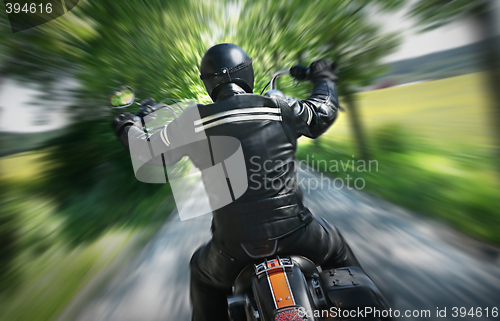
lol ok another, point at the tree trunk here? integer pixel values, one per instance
(490, 59)
(358, 130)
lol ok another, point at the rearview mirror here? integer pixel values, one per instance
(122, 97)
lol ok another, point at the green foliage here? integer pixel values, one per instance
(9, 229)
(98, 190)
(41, 267)
(437, 13)
(391, 138)
(155, 47)
(13, 143)
(456, 186)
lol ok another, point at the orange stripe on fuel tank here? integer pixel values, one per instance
(279, 286)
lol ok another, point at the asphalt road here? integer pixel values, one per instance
(418, 264)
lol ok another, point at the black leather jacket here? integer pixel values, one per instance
(267, 128)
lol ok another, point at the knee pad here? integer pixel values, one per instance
(340, 253)
(333, 236)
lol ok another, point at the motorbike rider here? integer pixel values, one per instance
(266, 221)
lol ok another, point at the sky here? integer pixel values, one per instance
(416, 44)
(17, 115)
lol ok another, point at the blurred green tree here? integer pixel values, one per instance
(155, 47)
(298, 32)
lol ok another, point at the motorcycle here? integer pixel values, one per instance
(288, 288)
(294, 288)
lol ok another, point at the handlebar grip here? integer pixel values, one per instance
(147, 107)
(300, 72)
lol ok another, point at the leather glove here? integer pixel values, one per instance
(146, 107)
(322, 69)
(299, 72)
(122, 121)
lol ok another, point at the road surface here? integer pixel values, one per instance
(418, 264)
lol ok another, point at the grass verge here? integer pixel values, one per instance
(459, 187)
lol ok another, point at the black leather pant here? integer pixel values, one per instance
(215, 265)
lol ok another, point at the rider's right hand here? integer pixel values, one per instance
(299, 72)
(322, 69)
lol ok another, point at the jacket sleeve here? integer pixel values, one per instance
(149, 148)
(314, 115)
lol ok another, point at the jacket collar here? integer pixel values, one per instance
(229, 89)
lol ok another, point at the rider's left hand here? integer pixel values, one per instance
(121, 121)
(146, 107)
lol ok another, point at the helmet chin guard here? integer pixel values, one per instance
(226, 63)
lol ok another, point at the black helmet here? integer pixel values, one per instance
(226, 63)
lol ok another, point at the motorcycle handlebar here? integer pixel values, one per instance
(298, 72)
(157, 107)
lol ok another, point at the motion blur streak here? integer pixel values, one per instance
(72, 213)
